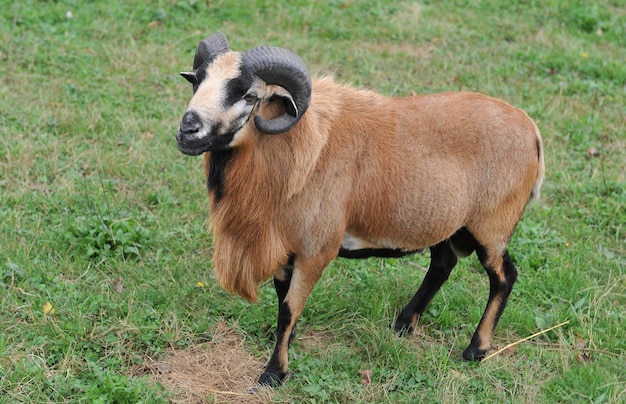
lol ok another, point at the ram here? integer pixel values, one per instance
(301, 171)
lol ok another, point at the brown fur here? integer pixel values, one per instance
(400, 173)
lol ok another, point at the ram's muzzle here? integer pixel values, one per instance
(195, 137)
(188, 137)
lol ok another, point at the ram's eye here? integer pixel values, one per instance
(249, 98)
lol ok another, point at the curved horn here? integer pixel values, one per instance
(208, 49)
(281, 67)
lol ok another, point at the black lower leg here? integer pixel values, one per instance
(276, 369)
(281, 285)
(442, 260)
(499, 290)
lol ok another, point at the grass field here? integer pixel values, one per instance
(105, 259)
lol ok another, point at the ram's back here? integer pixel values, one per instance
(419, 168)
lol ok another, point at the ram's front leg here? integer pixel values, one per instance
(282, 279)
(293, 285)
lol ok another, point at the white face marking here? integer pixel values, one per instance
(209, 101)
(236, 115)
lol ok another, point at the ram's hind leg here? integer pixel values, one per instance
(502, 275)
(442, 260)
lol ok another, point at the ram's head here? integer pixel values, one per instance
(231, 87)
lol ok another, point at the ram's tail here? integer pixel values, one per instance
(540, 168)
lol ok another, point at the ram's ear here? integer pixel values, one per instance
(189, 76)
(280, 67)
(288, 101)
(282, 103)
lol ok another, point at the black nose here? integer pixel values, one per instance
(190, 123)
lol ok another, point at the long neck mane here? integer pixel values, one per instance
(251, 188)
(248, 188)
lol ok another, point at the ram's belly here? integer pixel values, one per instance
(409, 211)
(402, 230)
(352, 242)
(355, 247)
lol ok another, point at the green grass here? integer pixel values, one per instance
(103, 218)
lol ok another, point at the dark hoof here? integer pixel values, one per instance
(474, 354)
(271, 379)
(403, 328)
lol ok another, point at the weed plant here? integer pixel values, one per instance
(103, 236)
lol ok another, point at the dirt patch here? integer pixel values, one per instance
(219, 371)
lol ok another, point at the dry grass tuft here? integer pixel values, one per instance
(219, 371)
